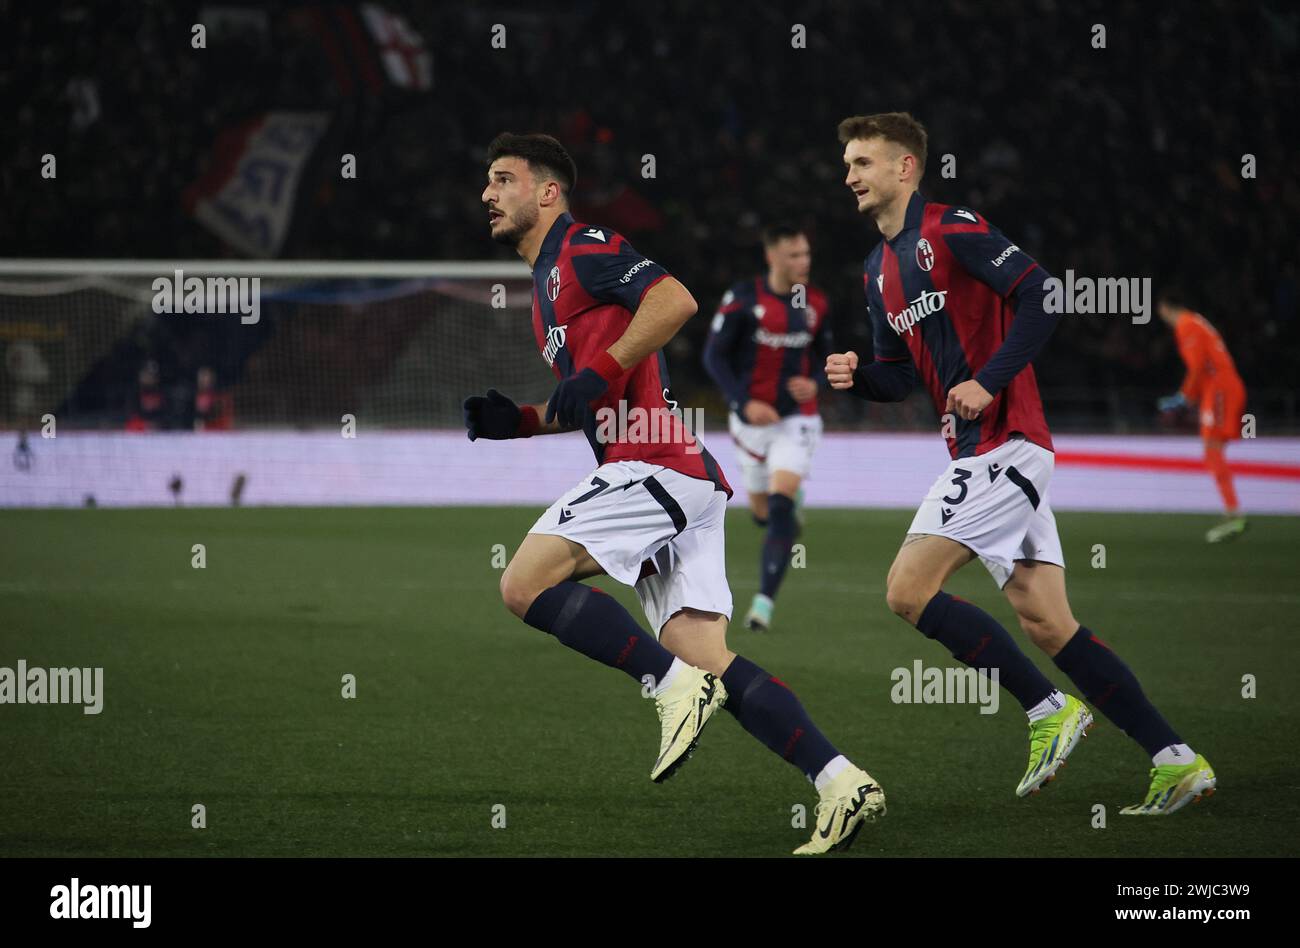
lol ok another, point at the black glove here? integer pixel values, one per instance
(492, 416)
(573, 396)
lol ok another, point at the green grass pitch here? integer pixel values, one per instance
(223, 687)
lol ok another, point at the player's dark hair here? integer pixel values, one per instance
(542, 152)
(897, 127)
(778, 231)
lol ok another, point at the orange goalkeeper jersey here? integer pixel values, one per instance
(1210, 368)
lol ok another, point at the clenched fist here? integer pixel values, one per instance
(840, 367)
(968, 399)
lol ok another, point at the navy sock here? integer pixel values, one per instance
(781, 529)
(595, 624)
(769, 710)
(977, 639)
(1112, 688)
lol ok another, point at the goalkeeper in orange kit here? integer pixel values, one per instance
(1213, 386)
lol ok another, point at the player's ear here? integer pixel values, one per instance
(551, 194)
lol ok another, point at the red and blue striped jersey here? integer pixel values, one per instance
(587, 283)
(938, 293)
(760, 339)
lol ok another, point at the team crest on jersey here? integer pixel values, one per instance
(553, 284)
(924, 255)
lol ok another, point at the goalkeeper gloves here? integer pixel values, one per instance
(496, 418)
(572, 397)
(1171, 402)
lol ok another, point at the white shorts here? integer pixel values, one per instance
(633, 517)
(996, 504)
(785, 445)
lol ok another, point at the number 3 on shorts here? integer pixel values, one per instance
(960, 477)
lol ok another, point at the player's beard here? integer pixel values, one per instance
(524, 220)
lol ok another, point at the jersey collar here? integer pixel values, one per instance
(555, 236)
(914, 216)
(767, 288)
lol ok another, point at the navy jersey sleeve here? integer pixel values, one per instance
(725, 332)
(986, 254)
(610, 269)
(1030, 330)
(983, 251)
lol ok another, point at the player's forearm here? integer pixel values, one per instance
(536, 423)
(883, 381)
(1030, 330)
(664, 309)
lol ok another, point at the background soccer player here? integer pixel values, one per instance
(651, 514)
(766, 351)
(1212, 385)
(942, 290)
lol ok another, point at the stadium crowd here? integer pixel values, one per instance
(1125, 160)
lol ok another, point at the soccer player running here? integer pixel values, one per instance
(942, 290)
(1212, 384)
(651, 514)
(766, 349)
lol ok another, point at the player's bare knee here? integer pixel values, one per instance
(517, 593)
(906, 599)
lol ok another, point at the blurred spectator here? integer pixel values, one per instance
(1117, 161)
(213, 409)
(148, 410)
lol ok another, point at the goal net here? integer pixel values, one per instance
(153, 383)
(395, 345)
